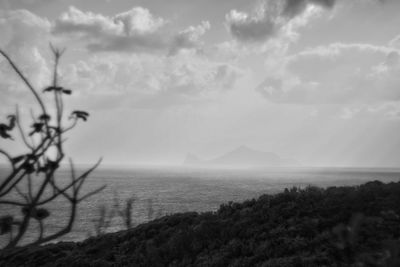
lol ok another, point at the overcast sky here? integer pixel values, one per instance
(314, 80)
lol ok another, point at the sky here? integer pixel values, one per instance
(313, 80)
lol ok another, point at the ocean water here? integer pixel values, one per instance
(166, 191)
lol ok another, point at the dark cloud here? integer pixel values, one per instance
(293, 8)
(129, 44)
(392, 59)
(252, 30)
(269, 19)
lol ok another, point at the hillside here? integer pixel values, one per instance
(337, 226)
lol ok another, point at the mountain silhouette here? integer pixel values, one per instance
(241, 157)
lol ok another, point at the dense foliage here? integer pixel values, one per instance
(337, 226)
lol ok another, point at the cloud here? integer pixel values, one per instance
(292, 8)
(341, 74)
(178, 75)
(22, 39)
(271, 19)
(137, 21)
(252, 29)
(136, 30)
(21, 27)
(189, 38)
(131, 30)
(395, 42)
(389, 110)
(149, 81)
(337, 49)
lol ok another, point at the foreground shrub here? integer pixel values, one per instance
(337, 226)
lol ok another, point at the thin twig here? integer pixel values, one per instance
(9, 158)
(21, 194)
(92, 193)
(25, 80)
(21, 131)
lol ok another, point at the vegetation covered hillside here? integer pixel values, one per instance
(337, 226)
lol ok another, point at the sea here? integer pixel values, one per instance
(161, 191)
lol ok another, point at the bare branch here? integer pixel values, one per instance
(85, 174)
(21, 194)
(75, 181)
(63, 231)
(21, 131)
(73, 174)
(14, 203)
(94, 192)
(9, 158)
(30, 189)
(16, 171)
(71, 126)
(25, 80)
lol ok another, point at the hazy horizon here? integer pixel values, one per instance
(317, 81)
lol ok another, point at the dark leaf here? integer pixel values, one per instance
(52, 165)
(38, 214)
(6, 223)
(25, 210)
(67, 91)
(11, 123)
(52, 88)
(29, 168)
(44, 117)
(4, 128)
(79, 114)
(42, 169)
(41, 214)
(4, 134)
(84, 118)
(37, 128)
(48, 89)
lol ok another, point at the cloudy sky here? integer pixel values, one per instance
(314, 80)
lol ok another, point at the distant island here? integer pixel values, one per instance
(242, 157)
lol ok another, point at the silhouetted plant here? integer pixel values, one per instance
(107, 217)
(102, 221)
(125, 213)
(33, 183)
(150, 210)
